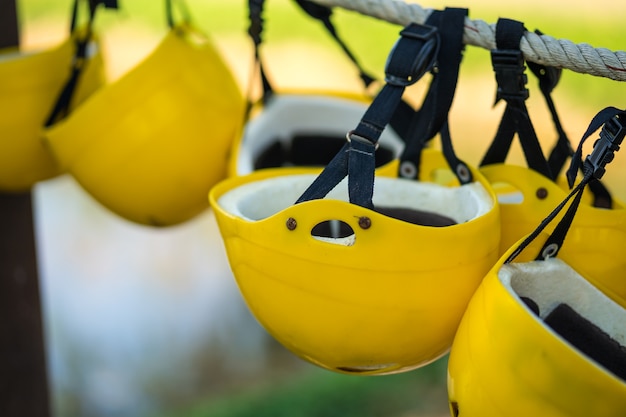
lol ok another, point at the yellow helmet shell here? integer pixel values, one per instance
(151, 145)
(596, 235)
(286, 115)
(505, 360)
(386, 298)
(32, 82)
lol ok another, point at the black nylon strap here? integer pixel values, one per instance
(554, 243)
(509, 33)
(614, 120)
(400, 119)
(323, 14)
(508, 65)
(255, 30)
(548, 79)
(432, 118)
(545, 222)
(593, 168)
(62, 104)
(611, 137)
(411, 57)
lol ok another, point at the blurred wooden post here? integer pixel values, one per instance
(23, 373)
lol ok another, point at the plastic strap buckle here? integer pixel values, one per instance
(605, 147)
(352, 136)
(508, 64)
(417, 42)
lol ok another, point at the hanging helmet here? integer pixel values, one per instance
(368, 275)
(31, 85)
(377, 294)
(520, 348)
(539, 337)
(151, 145)
(597, 234)
(527, 197)
(303, 129)
(527, 194)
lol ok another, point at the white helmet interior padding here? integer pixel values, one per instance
(305, 130)
(572, 308)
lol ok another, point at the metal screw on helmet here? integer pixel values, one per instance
(365, 222)
(408, 169)
(291, 223)
(541, 193)
(550, 251)
(463, 173)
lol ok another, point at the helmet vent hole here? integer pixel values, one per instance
(508, 193)
(334, 231)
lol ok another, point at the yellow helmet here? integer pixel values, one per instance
(384, 295)
(597, 234)
(151, 145)
(303, 129)
(526, 197)
(512, 354)
(31, 85)
(368, 275)
(539, 336)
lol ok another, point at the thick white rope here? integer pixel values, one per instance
(544, 49)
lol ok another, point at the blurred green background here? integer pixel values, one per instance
(299, 54)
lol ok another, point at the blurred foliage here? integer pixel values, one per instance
(321, 393)
(371, 38)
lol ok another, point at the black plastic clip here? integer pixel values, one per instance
(413, 55)
(605, 147)
(508, 64)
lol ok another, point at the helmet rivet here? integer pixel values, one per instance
(463, 172)
(291, 223)
(541, 193)
(365, 222)
(550, 251)
(408, 169)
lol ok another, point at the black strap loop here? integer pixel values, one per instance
(611, 136)
(509, 68)
(62, 104)
(548, 79)
(553, 244)
(255, 30)
(323, 14)
(432, 118)
(356, 158)
(603, 151)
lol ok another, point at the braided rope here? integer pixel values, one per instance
(542, 49)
